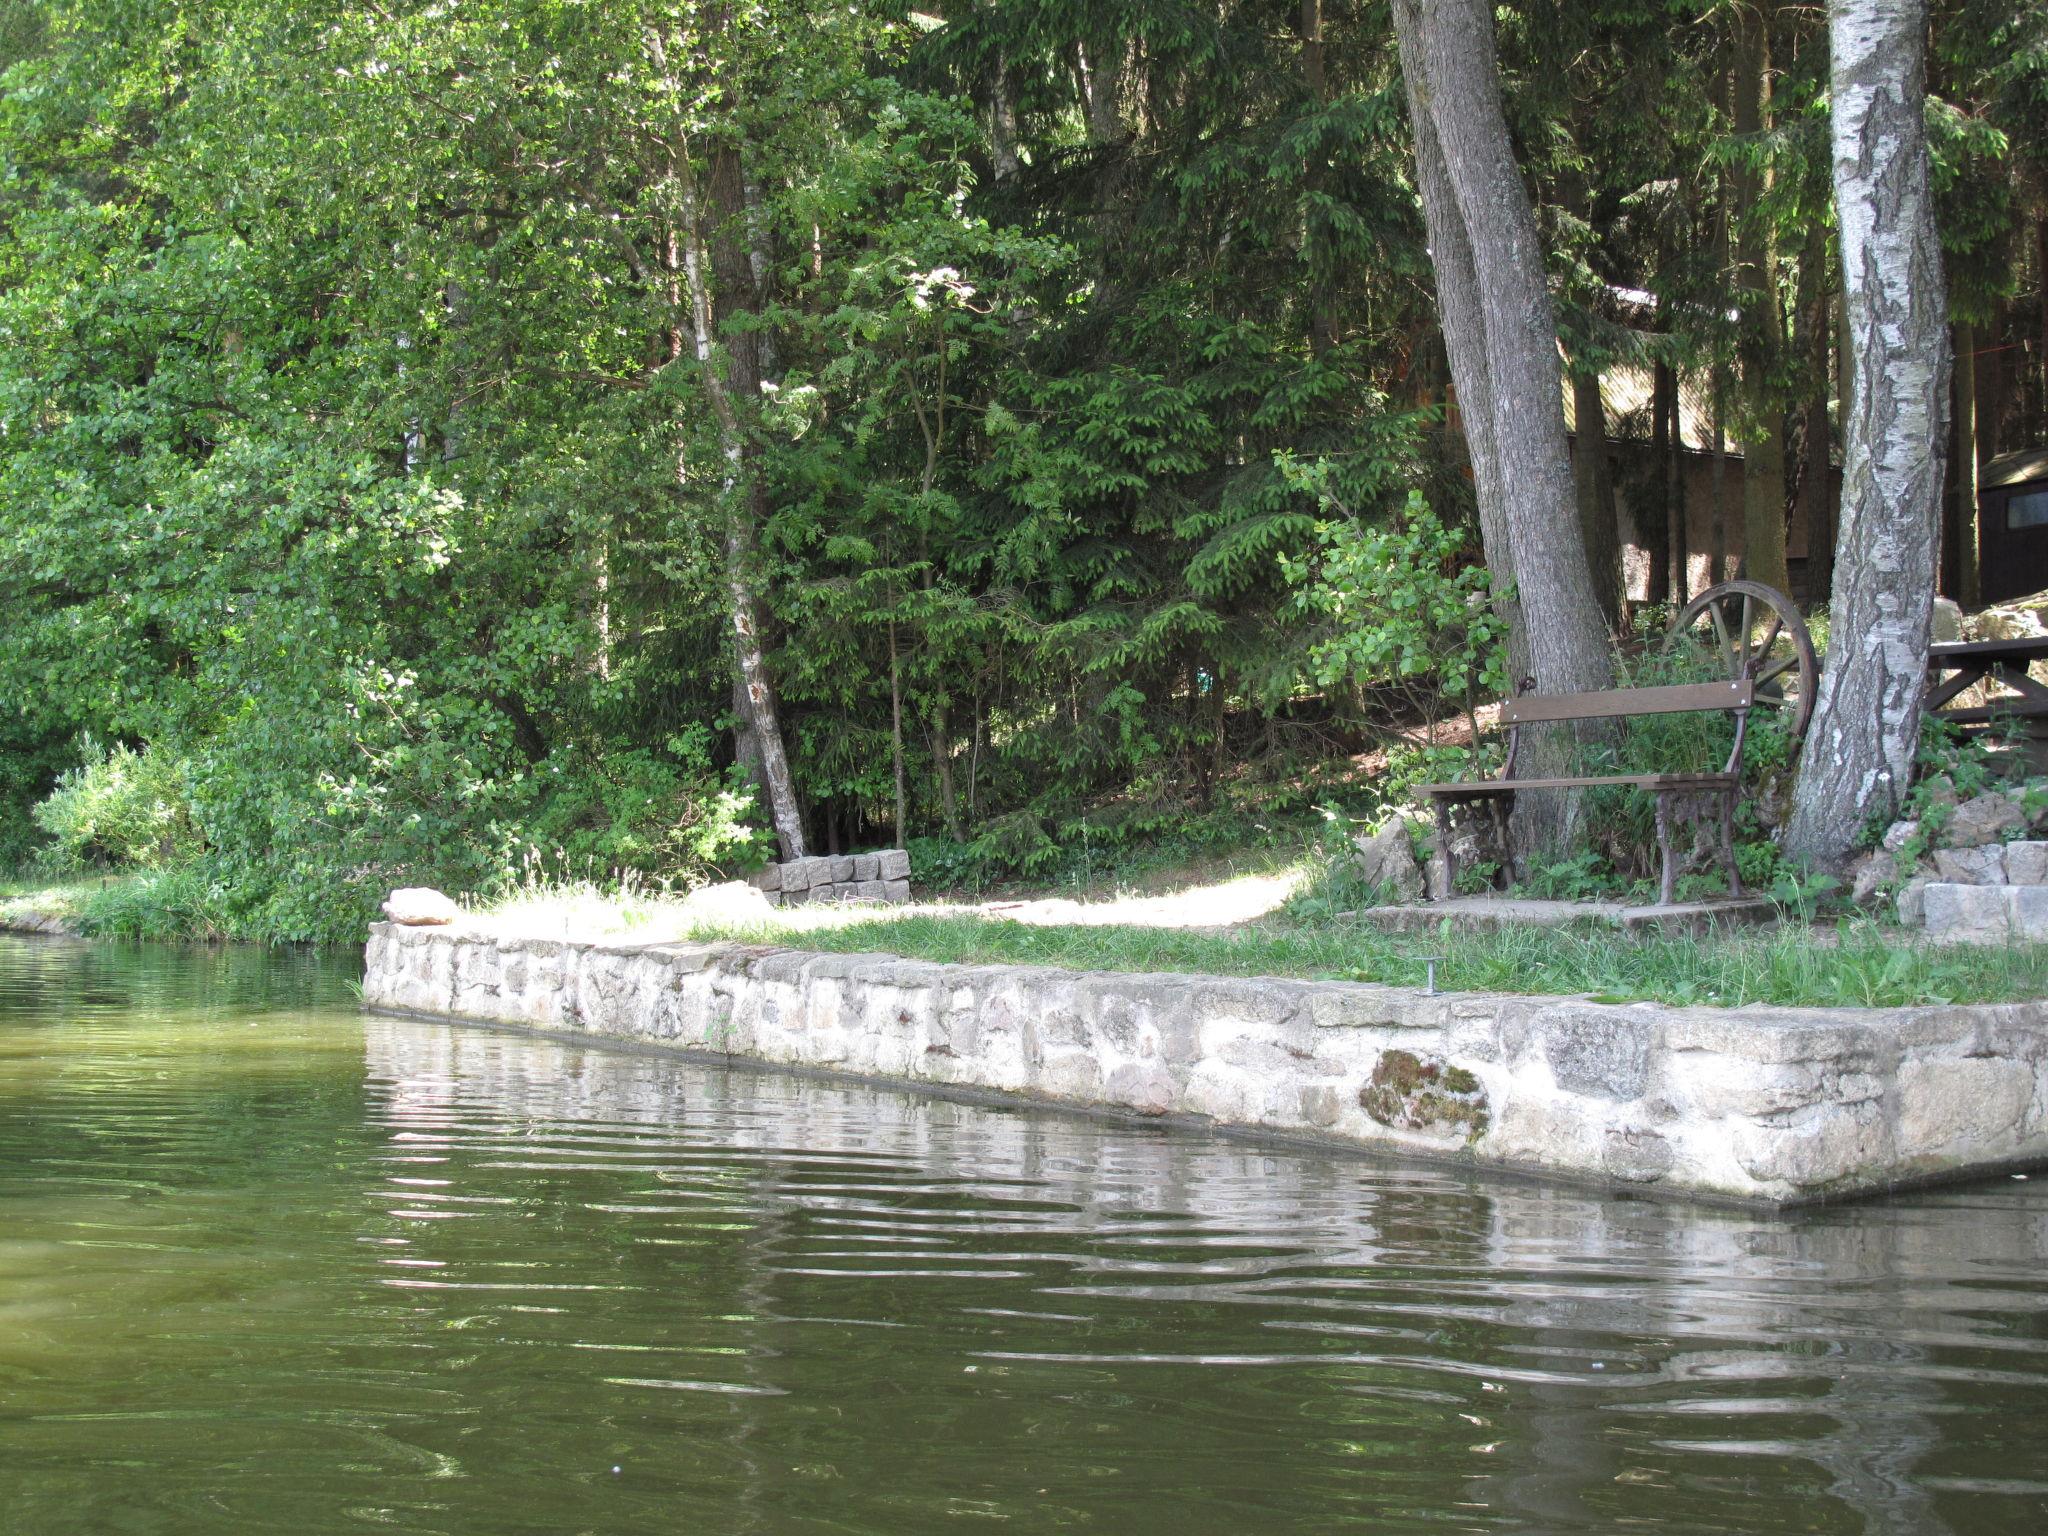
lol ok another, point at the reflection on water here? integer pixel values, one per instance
(267, 1265)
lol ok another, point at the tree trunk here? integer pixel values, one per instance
(1718, 543)
(1595, 494)
(1463, 332)
(1816, 479)
(1990, 381)
(1963, 470)
(1654, 520)
(896, 739)
(1004, 159)
(1679, 539)
(2041, 309)
(719, 257)
(1760, 329)
(1866, 725)
(1503, 353)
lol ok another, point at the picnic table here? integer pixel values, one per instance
(1955, 666)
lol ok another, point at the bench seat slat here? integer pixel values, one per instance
(1478, 788)
(1625, 703)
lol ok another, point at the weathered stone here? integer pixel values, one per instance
(796, 875)
(1976, 1102)
(769, 879)
(1870, 876)
(842, 869)
(2027, 907)
(1985, 818)
(1596, 1051)
(866, 867)
(1387, 860)
(2026, 863)
(1637, 1155)
(893, 864)
(1145, 1086)
(897, 891)
(1941, 791)
(1970, 866)
(1898, 834)
(871, 890)
(1913, 901)
(419, 906)
(1948, 620)
(1968, 914)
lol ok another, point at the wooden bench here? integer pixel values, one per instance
(1736, 697)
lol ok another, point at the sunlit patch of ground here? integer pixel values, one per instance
(586, 912)
(1221, 904)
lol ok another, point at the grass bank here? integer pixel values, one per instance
(1852, 964)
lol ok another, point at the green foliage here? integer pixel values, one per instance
(118, 808)
(1396, 603)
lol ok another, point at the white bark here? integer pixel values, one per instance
(1866, 724)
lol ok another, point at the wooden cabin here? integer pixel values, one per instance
(2012, 525)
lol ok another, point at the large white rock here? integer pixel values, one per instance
(1986, 818)
(1969, 914)
(420, 906)
(1387, 859)
(1871, 876)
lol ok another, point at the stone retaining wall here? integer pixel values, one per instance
(1762, 1105)
(837, 877)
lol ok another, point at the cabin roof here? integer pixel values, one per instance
(2015, 468)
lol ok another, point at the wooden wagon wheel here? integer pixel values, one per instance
(1757, 633)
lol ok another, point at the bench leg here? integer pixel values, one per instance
(1500, 839)
(1728, 844)
(1443, 846)
(1667, 883)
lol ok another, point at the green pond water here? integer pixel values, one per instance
(267, 1265)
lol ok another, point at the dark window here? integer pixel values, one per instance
(2027, 509)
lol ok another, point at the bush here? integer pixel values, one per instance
(118, 808)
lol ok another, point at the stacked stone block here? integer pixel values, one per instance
(840, 879)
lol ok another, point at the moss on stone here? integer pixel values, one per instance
(1408, 1092)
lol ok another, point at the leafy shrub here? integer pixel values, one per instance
(119, 808)
(666, 814)
(1397, 603)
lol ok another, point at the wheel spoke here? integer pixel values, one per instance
(1777, 668)
(1721, 629)
(1748, 620)
(1770, 637)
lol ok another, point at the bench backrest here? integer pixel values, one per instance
(1623, 703)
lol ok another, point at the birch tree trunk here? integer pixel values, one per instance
(1866, 724)
(1501, 336)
